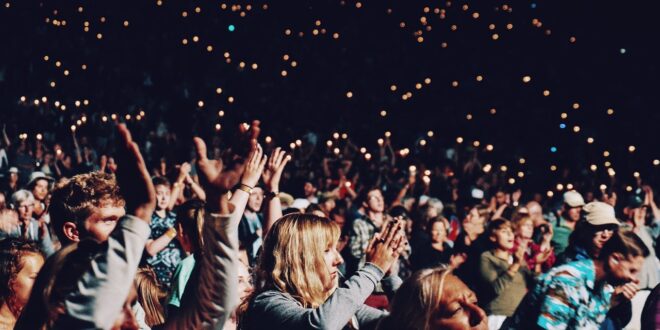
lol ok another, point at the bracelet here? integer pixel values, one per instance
(171, 232)
(245, 188)
(273, 194)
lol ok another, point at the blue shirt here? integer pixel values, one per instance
(567, 297)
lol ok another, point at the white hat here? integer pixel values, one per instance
(13, 169)
(38, 175)
(599, 213)
(300, 203)
(573, 199)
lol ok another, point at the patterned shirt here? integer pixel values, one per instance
(164, 262)
(567, 297)
(362, 232)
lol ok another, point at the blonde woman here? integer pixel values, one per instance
(297, 285)
(149, 311)
(433, 299)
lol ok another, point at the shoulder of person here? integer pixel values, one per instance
(273, 298)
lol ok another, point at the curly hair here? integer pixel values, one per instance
(12, 252)
(73, 200)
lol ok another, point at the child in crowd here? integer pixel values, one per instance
(164, 251)
(504, 276)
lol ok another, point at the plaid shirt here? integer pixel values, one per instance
(362, 232)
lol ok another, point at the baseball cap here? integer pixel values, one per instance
(573, 199)
(599, 213)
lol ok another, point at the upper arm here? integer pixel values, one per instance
(558, 306)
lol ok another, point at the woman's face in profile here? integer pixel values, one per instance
(458, 308)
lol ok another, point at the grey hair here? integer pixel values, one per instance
(21, 196)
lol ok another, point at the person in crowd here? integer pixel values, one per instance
(420, 236)
(327, 202)
(579, 294)
(190, 221)
(503, 276)
(436, 252)
(364, 229)
(149, 311)
(251, 225)
(297, 279)
(538, 257)
(76, 286)
(11, 185)
(164, 251)
(471, 243)
(651, 311)
(568, 218)
(28, 227)
(434, 299)
(591, 234)
(86, 205)
(642, 217)
(39, 186)
(20, 262)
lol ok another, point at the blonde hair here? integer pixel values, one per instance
(417, 300)
(520, 221)
(150, 296)
(292, 258)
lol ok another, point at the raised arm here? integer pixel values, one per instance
(103, 288)
(212, 292)
(271, 176)
(5, 137)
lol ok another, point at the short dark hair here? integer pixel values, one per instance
(497, 224)
(161, 181)
(626, 243)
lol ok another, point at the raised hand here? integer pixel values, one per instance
(519, 255)
(457, 260)
(254, 167)
(213, 177)
(133, 178)
(273, 171)
(385, 248)
(184, 171)
(624, 292)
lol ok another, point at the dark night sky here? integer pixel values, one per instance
(146, 67)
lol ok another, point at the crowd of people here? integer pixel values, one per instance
(94, 235)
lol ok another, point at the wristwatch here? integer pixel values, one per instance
(273, 194)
